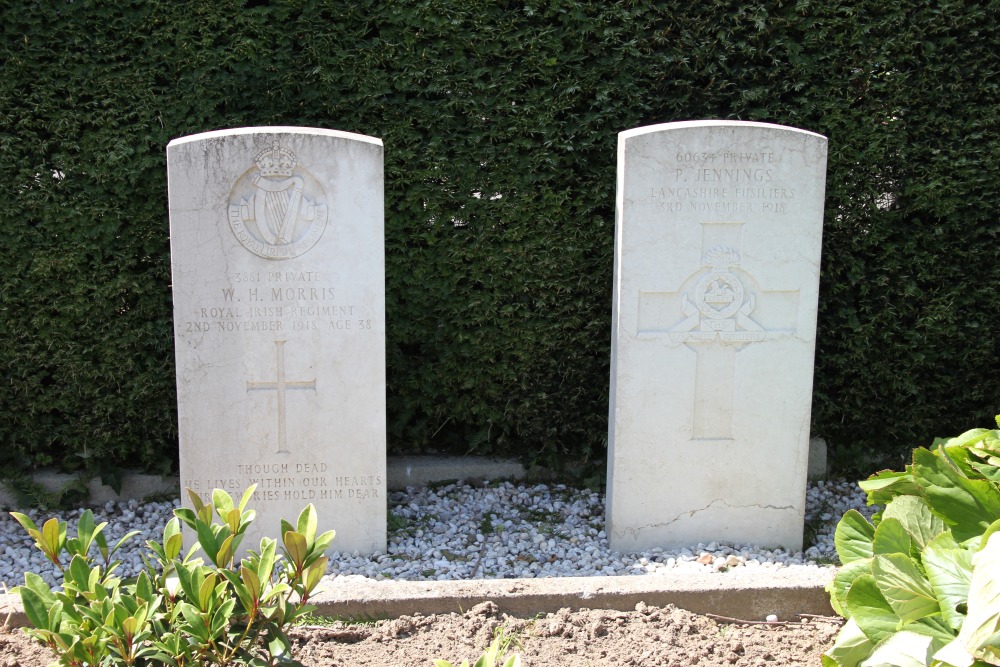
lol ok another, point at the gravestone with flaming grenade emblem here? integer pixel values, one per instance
(277, 257)
(717, 256)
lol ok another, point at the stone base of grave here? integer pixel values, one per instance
(402, 471)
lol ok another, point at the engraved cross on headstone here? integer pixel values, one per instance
(281, 385)
(716, 318)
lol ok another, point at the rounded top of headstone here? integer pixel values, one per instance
(278, 129)
(701, 124)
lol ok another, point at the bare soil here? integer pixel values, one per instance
(647, 636)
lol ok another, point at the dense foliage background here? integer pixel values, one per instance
(500, 123)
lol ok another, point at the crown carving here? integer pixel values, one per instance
(276, 162)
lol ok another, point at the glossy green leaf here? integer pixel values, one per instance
(172, 546)
(25, 521)
(232, 519)
(190, 581)
(916, 517)
(239, 589)
(123, 541)
(36, 605)
(891, 537)
(209, 541)
(315, 573)
(285, 527)
(246, 519)
(842, 582)
(295, 545)
(266, 559)
(196, 502)
(853, 537)
(84, 534)
(904, 587)
(53, 536)
(225, 554)
(222, 617)
(206, 591)
(252, 582)
(223, 503)
(186, 515)
(967, 506)
(196, 622)
(870, 610)
(989, 469)
(307, 522)
(983, 618)
(275, 591)
(969, 438)
(949, 570)
(298, 611)
(247, 495)
(144, 590)
(79, 573)
(323, 541)
(279, 646)
(903, 649)
(888, 484)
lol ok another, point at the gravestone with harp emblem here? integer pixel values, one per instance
(717, 255)
(277, 257)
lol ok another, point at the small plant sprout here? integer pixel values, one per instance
(495, 655)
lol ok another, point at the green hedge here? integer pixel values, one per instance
(500, 124)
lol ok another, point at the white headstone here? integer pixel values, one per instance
(717, 255)
(277, 254)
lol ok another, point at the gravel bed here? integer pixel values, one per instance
(477, 531)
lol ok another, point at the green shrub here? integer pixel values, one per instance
(179, 611)
(920, 584)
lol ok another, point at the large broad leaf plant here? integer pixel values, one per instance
(920, 583)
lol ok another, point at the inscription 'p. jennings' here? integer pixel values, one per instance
(281, 385)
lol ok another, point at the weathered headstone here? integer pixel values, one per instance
(717, 255)
(279, 296)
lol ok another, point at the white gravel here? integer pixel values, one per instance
(481, 531)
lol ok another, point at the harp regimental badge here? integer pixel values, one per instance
(277, 209)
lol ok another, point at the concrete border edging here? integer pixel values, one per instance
(744, 595)
(747, 595)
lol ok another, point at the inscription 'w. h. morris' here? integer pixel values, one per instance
(279, 319)
(277, 209)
